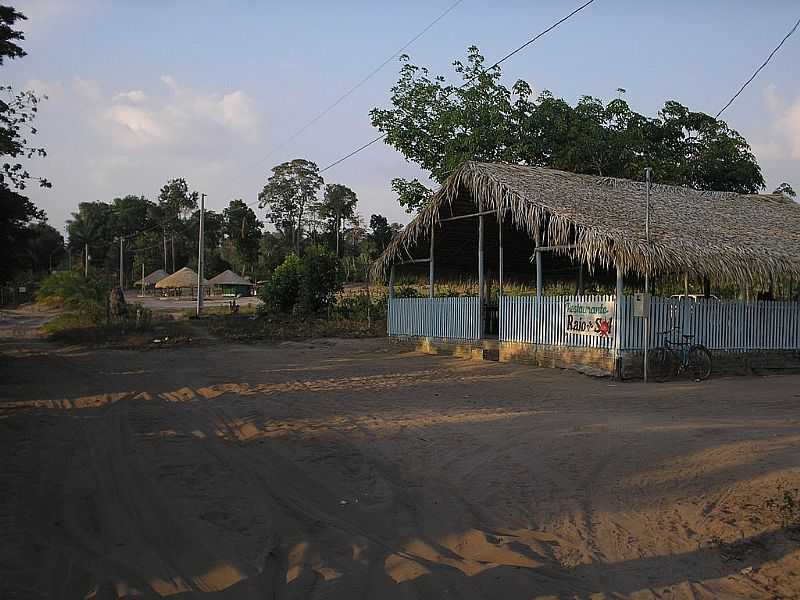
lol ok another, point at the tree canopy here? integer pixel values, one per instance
(289, 191)
(439, 125)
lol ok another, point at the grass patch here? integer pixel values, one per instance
(280, 328)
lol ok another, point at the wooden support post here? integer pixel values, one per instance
(580, 280)
(391, 282)
(500, 243)
(618, 306)
(430, 268)
(481, 291)
(538, 264)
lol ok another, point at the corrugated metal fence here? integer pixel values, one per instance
(719, 325)
(454, 318)
(524, 319)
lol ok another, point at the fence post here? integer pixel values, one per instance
(620, 316)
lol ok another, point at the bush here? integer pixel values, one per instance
(75, 292)
(361, 307)
(280, 292)
(305, 285)
(320, 281)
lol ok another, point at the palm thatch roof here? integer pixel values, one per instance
(601, 220)
(153, 278)
(228, 277)
(182, 278)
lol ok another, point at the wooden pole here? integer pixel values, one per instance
(620, 298)
(538, 264)
(580, 280)
(430, 268)
(391, 283)
(481, 298)
(142, 277)
(86, 262)
(500, 243)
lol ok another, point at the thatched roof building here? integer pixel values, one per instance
(183, 278)
(153, 278)
(600, 221)
(228, 277)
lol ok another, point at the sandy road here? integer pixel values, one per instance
(344, 470)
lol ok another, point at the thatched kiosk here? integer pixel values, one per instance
(148, 282)
(182, 282)
(502, 222)
(230, 284)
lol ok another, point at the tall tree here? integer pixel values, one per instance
(338, 205)
(44, 247)
(93, 230)
(17, 112)
(243, 229)
(291, 188)
(381, 232)
(439, 126)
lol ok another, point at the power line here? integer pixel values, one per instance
(369, 76)
(758, 70)
(383, 135)
(471, 79)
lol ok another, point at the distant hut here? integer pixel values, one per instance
(149, 282)
(232, 284)
(181, 282)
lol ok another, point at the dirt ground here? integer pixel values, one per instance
(342, 469)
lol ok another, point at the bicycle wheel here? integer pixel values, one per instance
(661, 364)
(698, 363)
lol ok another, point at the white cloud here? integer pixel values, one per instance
(783, 135)
(131, 96)
(134, 127)
(184, 118)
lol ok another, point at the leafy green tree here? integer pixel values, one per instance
(93, 225)
(439, 126)
(44, 247)
(786, 191)
(289, 191)
(243, 229)
(17, 113)
(132, 214)
(338, 205)
(381, 233)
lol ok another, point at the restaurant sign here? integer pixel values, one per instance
(591, 317)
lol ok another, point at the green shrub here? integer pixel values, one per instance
(279, 294)
(305, 285)
(73, 291)
(320, 281)
(361, 307)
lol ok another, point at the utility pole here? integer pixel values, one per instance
(172, 245)
(164, 233)
(86, 261)
(200, 257)
(142, 277)
(121, 266)
(647, 172)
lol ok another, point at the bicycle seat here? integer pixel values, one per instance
(687, 337)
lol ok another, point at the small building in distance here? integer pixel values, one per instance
(182, 282)
(149, 281)
(230, 284)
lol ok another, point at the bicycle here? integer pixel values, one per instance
(673, 358)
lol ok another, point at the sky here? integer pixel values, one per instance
(143, 91)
